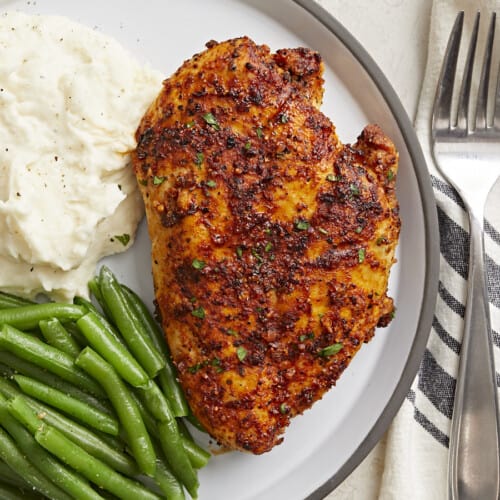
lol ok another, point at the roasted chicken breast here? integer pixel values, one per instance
(271, 240)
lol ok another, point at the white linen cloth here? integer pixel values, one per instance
(410, 462)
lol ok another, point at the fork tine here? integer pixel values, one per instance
(464, 97)
(442, 103)
(496, 113)
(482, 97)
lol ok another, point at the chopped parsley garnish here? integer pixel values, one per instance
(198, 366)
(359, 229)
(198, 264)
(284, 409)
(361, 255)
(332, 178)
(259, 133)
(268, 246)
(390, 175)
(283, 118)
(322, 231)
(239, 252)
(211, 183)
(307, 336)
(257, 256)
(123, 238)
(232, 332)
(211, 120)
(199, 159)
(158, 180)
(190, 124)
(354, 189)
(195, 368)
(248, 145)
(330, 350)
(241, 352)
(302, 225)
(143, 182)
(199, 312)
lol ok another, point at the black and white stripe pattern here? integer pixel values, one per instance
(433, 390)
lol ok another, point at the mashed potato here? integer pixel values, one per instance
(70, 101)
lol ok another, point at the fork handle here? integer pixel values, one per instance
(474, 461)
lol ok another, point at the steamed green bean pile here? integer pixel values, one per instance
(90, 407)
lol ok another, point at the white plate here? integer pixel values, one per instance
(326, 443)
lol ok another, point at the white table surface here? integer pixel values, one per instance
(395, 34)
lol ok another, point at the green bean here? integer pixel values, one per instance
(13, 300)
(183, 429)
(164, 478)
(141, 310)
(136, 339)
(8, 492)
(19, 409)
(57, 336)
(34, 350)
(10, 477)
(69, 405)
(95, 290)
(146, 416)
(8, 389)
(196, 454)
(27, 317)
(167, 377)
(75, 332)
(17, 298)
(111, 330)
(65, 479)
(178, 459)
(94, 470)
(167, 482)
(80, 301)
(11, 455)
(18, 365)
(155, 401)
(84, 436)
(22, 406)
(170, 438)
(100, 336)
(195, 422)
(125, 407)
(7, 303)
(176, 456)
(5, 370)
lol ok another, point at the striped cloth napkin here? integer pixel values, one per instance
(410, 462)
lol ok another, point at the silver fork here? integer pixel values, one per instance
(466, 148)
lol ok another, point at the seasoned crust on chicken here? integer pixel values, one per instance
(271, 241)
